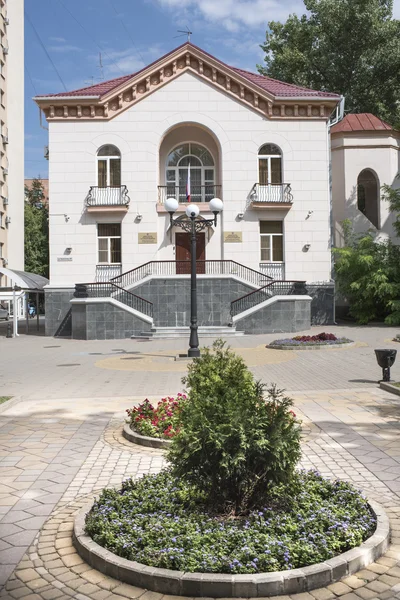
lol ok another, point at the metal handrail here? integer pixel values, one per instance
(107, 196)
(112, 290)
(198, 193)
(205, 267)
(274, 288)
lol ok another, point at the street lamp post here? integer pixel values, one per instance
(193, 224)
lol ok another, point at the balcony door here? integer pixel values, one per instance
(197, 161)
(182, 243)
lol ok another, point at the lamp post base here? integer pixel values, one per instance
(193, 352)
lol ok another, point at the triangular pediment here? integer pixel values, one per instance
(187, 58)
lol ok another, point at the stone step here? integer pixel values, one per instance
(182, 332)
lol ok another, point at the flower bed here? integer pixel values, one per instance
(162, 421)
(163, 522)
(307, 341)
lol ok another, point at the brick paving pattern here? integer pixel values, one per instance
(62, 443)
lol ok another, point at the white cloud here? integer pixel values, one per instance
(57, 39)
(64, 48)
(129, 60)
(234, 14)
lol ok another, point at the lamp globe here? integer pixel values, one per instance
(192, 210)
(171, 204)
(216, 205)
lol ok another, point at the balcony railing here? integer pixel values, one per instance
(198, 193)
(279, 193)
(274, 270)
(106, 272)
(107, 196)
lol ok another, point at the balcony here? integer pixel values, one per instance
(107, 199)
(200, 194)
(275, 195)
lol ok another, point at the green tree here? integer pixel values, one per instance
(368, 276)
(36, 230)
(392, 196)
(351, 47)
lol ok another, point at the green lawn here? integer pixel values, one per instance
(4, 399)
(397, 384)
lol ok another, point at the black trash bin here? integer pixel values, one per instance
(385, 360)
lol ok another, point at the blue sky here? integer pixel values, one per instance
(131, 34)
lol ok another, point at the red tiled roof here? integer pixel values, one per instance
(361, 122)
(280, 88)
(273, 86)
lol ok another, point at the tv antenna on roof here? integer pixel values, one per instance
(184, 32)
(101, 68)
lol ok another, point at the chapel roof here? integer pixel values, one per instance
(361, 122)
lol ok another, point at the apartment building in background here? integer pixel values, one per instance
(11, 135)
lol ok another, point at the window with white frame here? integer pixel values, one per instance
(1, 219)
(271, 241)
(194, 160)
(269, 165)
(109, 243)
(1, 250)
(108, 166)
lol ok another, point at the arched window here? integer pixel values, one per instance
(269, 165)
(368, 196)
(190, 170)
(108, 166)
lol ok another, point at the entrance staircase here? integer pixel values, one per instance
(159, 333)
(119, 292)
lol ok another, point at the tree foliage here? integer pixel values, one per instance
(392, 196)
(36, 230)
(351, 47)
(368, 276)
(233, 442)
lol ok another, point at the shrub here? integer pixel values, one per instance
(368, 276)
(160, 422)
(233, 443)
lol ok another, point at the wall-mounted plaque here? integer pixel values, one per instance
(64, 258)
(232, 237)
(147, 238)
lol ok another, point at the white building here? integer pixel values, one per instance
(365, 156)
(120, 148)
(12, 135)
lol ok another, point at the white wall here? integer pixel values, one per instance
(240, 132)
(352, 153)
(15, 124)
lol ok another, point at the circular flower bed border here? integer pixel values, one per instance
(310, 347)
(215, 585)
(143, 440)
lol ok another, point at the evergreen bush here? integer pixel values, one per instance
(233, 442)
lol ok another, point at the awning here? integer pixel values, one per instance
(26, 281)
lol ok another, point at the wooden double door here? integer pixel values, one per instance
(182, 253)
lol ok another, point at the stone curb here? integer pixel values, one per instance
(315, 347)
(9, 403)
(384, 385)
(210, 585)
(143, 440)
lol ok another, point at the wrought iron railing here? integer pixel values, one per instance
(276, 193)
(275, 288)
(111, 290)
(107, 196)
(274, 270)
(198, 193)
(179, 267)
(106, 272)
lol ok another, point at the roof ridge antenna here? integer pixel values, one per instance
(184, 32)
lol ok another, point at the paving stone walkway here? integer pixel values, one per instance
(54, 456)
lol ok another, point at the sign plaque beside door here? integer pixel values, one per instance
(232, 237)
(147, 238)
